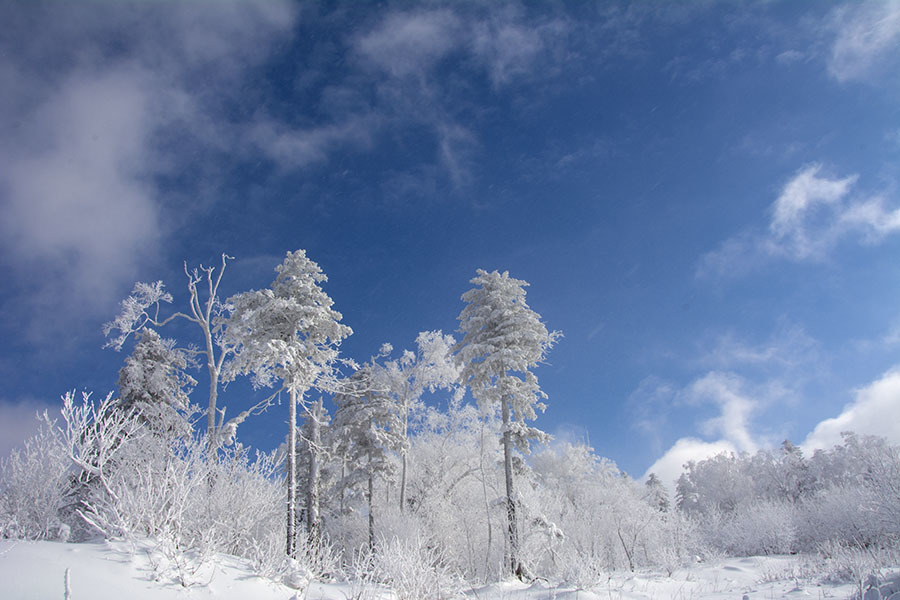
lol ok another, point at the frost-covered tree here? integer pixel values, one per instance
(430, 368)
(154, 384)
(656, 495)
(205, 310)
(367, 431)
(503, 340)
(288, 334)
(454, 469)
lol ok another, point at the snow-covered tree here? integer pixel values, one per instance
(288, 334)
(455, 468)
(430, 368)
(142, 309)
(367, 431)
(154, 384)
(503, 340)
(657, 496)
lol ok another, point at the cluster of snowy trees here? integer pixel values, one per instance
(372, 480)
(780, 502)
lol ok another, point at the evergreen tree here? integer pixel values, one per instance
(657, 496)
(288, 334)
(368, 434)
(153, 383)
(503, 340)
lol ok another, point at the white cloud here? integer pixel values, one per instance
(872, 219)
(796, 206)
(809, 217)
(867, 40)
(509, 48)
(735, 408)
(734, 257)
(77, 196)
(92, 102)
(874, 411)
(410, 43)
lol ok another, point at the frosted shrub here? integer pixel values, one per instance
(763, 527)
(584, 571)
(33, 485)
(672, 543)
(244, 500)
(415, 569)
(840, 513)
(863, 567)
(401, 525)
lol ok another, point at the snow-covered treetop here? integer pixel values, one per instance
(289, 332)
(430, 368)
(502, 340)
(137, 310)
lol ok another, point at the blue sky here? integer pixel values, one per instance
(703, 196)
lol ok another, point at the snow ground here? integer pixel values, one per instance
(106, 570)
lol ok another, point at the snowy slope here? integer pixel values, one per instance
(113, 571)
(103, 571)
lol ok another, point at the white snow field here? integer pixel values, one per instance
(119, 571)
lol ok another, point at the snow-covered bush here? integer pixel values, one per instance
(757, 528)
(34, 482)
(842, 513)
(102, 469)
(863, 567)
(414, 569)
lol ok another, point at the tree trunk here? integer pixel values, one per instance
(512, 529)
(291, 548)
(404, 451)
(312, 490)
(487, 505)
(343, 478)
(371, 514)
(212, 442)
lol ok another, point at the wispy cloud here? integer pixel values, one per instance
(741, 380)
(726, 391)
(414, 58)
(793, 226)
(788, 348)
(295, 148)
(410, 43)
(509, 48)
(649, 407)
(866, 41)
(813, 212)
(77, 195)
